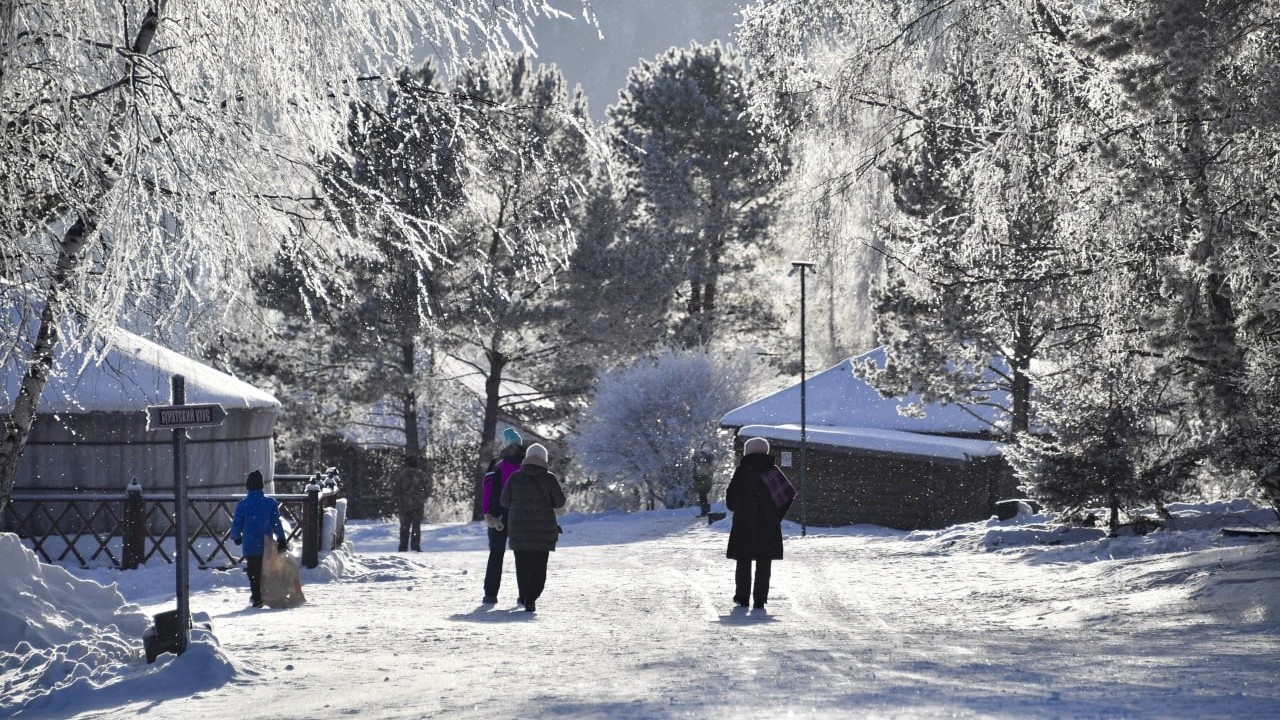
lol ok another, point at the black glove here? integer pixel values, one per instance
(283, 546)
(235, 540)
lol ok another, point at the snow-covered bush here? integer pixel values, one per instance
(639, 433)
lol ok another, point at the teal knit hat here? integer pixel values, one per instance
(511, 437)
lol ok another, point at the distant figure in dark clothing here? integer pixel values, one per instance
(759, 496)
(704, 471)
(412, 487)
(532, 496)
(495, 514)
(256, 517)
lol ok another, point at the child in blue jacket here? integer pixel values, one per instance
(256, 517)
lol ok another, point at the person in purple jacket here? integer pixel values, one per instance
(495, 515)
(256, 517)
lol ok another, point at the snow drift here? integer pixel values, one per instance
(72, 644)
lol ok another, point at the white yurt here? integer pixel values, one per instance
(91, 434)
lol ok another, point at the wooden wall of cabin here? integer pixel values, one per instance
(895, 491)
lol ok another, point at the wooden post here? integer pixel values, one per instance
(181, 554)
(311, 524)
(134, 526)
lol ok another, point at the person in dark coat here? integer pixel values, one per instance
(758, 509)
(256, 517)
(412, 487)
(704, 471)
(495, 515)
(532, 496)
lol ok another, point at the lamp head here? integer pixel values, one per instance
(799, 266)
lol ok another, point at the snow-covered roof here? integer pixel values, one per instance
(837, 398)
(894, 442)
(132, 374)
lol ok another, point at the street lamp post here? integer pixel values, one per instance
(802, 266)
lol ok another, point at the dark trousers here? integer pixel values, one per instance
(744, 590)
(531, 573)
(253, 567)
(493, 571)
(410, 533)
(703, 504)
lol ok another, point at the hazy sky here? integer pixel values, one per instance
(631, 29)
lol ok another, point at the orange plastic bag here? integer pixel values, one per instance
(281, 578)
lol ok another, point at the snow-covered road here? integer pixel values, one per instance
(637, 622)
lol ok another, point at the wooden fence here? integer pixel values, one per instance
(128, 529)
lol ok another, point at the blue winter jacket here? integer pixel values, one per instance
(256, 516)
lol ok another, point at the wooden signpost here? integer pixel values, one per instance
(178, 417)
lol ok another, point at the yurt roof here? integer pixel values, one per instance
(131, 374)
(836, 397)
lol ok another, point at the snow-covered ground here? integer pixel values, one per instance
(997, 619)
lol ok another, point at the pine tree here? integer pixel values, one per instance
(369, 341)
(406, 158)
(619, 288)
(705, 173)
(525, 157)
(1116, 440)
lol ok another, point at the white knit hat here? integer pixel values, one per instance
(536, 454)
(756, 446)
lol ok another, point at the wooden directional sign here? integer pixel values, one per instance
(168, 417)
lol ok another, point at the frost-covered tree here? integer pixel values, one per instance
(525, 158)
(974, 116)
(646, 419)
(1134, 141)
(400, 155)
(1196, 154)
(983, 257)
(395, 178)
(116, 115)
(705, 175)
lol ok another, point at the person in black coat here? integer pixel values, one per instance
(532, 496)
(758, 509)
